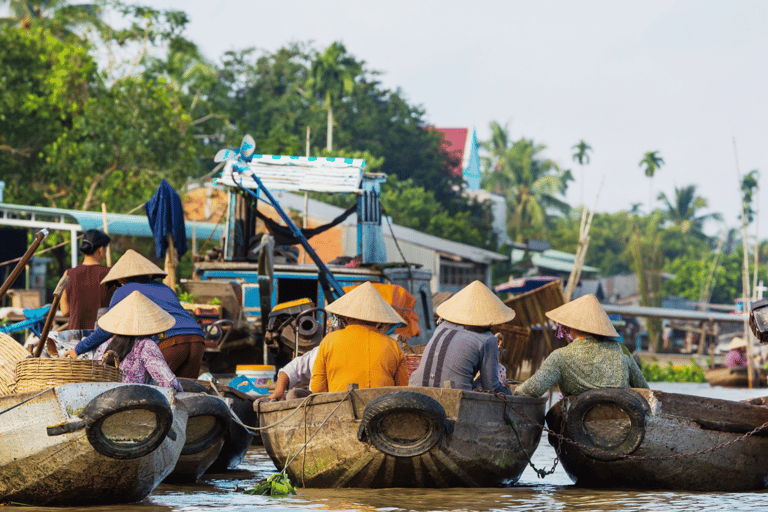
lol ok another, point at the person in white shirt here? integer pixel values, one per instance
(293, 378)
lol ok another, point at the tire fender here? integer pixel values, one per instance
(373, 430)
(630, 402)
(206, 405)
(122, 399)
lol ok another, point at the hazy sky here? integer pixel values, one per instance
(682, 78)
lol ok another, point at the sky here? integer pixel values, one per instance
(684, 78)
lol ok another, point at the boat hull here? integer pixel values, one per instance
(237, 439)
(477, 448)
(674, 425)
(65, 469)
(733, 377)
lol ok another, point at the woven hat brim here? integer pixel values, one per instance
(133, 264)
(365, 303)
(584, 314)
(475, 305)
(136, 315)
(737, 343)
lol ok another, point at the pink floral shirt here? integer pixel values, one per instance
(144, 364)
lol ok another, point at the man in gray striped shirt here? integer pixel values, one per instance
(463, 344)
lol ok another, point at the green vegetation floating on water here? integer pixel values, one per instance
(277, 485)
(671, 373)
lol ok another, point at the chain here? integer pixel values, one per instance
(541, 473)
(561, 439)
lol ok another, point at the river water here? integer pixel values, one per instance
(555, 492)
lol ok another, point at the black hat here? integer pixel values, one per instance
(92, 240)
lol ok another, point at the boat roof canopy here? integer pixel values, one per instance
(295, 173)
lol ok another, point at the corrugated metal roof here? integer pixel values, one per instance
(677, 314)
(119, 224)
(551, 259)
(328, 212)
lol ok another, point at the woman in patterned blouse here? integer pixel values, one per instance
(133, 320)
(592, 359)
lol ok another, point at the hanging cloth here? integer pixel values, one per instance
(284, 236)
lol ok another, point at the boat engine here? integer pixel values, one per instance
(293, 330)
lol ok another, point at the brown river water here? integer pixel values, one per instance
(555, 492)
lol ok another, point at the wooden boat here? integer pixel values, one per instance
(208, 421)
(402, 437)
(658, 431)
(237, 439)
(89, 443)
(734, 376)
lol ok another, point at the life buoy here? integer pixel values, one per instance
(403, 423)
(120, 400)
(630, 402)
(205, 405)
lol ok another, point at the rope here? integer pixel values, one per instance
(584, 448)
(397, 244)
(25, 401)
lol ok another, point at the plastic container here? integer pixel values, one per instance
(253, 379)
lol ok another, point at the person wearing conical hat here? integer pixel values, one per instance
(592, 359)
(182, 344)
(463, 343)
(358, 353)
(737, 352)
(132, 321)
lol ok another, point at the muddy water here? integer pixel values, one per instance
(222, 492)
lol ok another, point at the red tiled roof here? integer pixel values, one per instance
(455, 141)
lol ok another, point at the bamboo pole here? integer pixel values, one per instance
(581, 252)
(745, 273)
(306, 205)
(57, 293)
(106, 232)
(170, 264)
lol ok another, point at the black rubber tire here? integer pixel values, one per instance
(402, 401)
(121, 399)
(206, 405)
(193, 386)
(632, 403)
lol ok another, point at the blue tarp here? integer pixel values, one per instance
(166, 216)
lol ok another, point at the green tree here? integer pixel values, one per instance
(331, 77)
(749, 186)
(683, 212)
(59, 17)
(530, 183)
(652, 162)
(581, 156)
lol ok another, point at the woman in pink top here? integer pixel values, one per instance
(133, 320)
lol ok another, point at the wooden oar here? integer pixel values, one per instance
(39, 237)
(63, 282)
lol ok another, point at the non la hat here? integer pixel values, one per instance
(584, 314)
(136, 315)
(132, 264)
(365, 303)
(737, 342)
(475, 305)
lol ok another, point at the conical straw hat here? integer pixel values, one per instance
(584, 314)
(737, 343)
(475, 305)
(365, 303)
(132, 264)
(136, 315)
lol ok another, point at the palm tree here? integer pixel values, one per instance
(582, 157)
(748, 189)
(683, 212)
(652, 162)
(531, 184)
(332, 76)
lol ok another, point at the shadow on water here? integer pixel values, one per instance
(223, 492)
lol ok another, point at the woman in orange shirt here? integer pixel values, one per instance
(359, 353)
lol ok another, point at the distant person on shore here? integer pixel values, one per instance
(183, 344)
(463, 344)
(358, 353)
(737, 353)
(85, 294)
(592, 359)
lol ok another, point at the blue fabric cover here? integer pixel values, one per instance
(166, 216)
(158, 293)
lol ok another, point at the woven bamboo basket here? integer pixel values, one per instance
(11, 352)
(38, 374)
